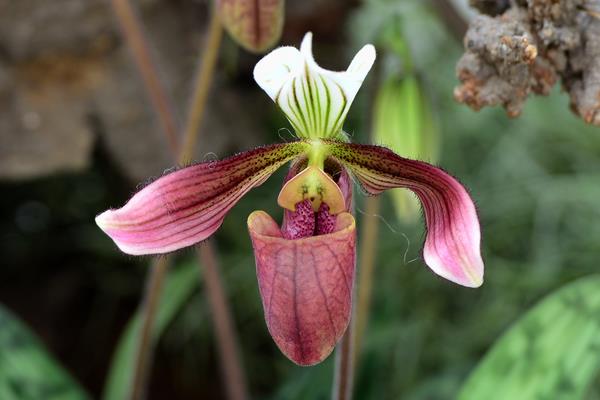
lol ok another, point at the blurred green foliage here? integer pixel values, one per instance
(553, 352)
(179, 285)
(27, 371)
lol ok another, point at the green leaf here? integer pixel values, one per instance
(179, 285)
(553, 352)
(27, 371)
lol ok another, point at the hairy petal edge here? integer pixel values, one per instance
(187, 206)
(452, 247)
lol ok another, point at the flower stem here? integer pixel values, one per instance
(203, 80)
(225, 334)
(145, 342)
(367, 258)
(232, 367)
(133, 32)
(348, 350)
(227, 343)
(344, 370)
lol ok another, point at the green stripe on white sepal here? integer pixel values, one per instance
(314, 100)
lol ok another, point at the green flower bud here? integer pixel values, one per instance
(403, 121)
(255, 25)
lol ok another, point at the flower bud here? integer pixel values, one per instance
(255, 25)
(403, 121)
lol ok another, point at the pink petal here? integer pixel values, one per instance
(188, 205)
(305, 285)
(452, 247)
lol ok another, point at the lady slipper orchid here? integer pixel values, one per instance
(306, 267)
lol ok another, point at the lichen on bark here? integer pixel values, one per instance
(518, 48)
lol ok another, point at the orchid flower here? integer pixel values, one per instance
(306, 266)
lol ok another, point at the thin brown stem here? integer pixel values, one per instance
(226, 336)
(348, 349)
(227, 343)
(367, 259)
(135, 37)
(202, 84)
(145, 343)
(344, 370)
(233, 374)
(133, 32)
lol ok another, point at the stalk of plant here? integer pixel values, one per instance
(348, 350)
(367, 259)
(133, 31)
(305, 266)
(225, 334)
(145, 344)
(343, 374)
(403, 121)
(203, 80)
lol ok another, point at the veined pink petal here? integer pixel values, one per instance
(452, 246)
(305, 285)
(188, 205)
